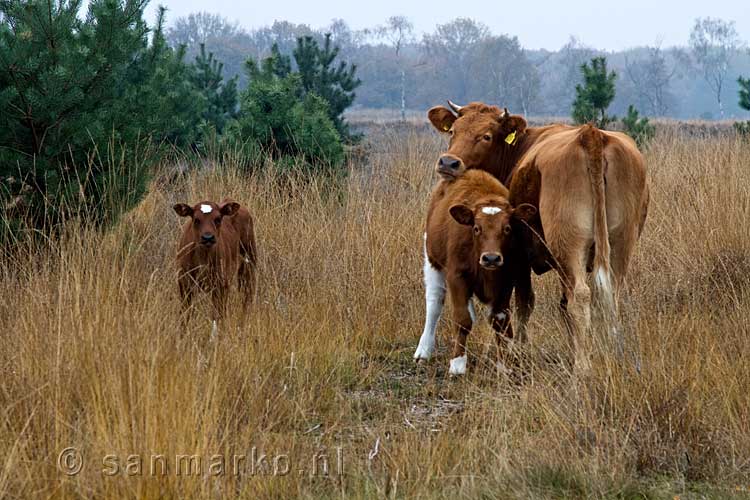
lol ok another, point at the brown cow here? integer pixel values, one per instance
(218, 243)
(470, 244)
(588, 185)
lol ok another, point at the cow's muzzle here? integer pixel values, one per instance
(490, 260)
(208, 240)
(449, 167)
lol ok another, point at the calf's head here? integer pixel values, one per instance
(479, 134)
(493, 224)
(207, 219)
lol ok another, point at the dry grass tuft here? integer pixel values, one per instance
(93, 356)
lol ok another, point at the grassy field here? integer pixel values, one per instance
(101, 393)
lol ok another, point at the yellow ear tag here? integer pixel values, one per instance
(446, 127)
(511, 138)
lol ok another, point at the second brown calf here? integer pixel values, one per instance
(217, 245)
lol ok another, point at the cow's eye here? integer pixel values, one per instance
(196, 222)
(217, 221)
(477, 230)
(487, 137)
(507, 229)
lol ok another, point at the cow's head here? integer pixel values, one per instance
(479, 134)
(493, 223)
(207, 218)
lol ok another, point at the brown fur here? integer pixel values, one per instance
(589, 186)
(459, 234)
(212, 269)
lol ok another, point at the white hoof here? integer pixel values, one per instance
(458, 366)
(424, 352)
(502, 370)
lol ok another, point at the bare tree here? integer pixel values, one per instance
(197, 28)
(503, 73)
(399, 31)
(452, 50)
(651, 76)
(713, 43)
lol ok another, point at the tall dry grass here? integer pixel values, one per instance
(93, 357)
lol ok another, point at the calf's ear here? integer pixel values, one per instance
(441, 118)
(462, 214)
(229, 208)
(183, 210)
(524, 211)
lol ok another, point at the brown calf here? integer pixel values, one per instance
(218, 243)
(470, 246)
(588, 185)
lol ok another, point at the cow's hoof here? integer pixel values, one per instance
(422, 354)
(458, 366)
(502, 370)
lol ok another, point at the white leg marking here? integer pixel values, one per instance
(458, 365)
(472, 312)
(434, 284)
(601, 276)
(214, 330)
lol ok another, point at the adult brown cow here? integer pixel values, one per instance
(471, 241)
(217, 244)
(588, 185)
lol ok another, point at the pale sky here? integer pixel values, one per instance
(602, 24)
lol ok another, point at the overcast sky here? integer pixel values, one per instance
(603, 24)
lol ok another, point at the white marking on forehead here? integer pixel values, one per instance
(491, 210)
(206, 209)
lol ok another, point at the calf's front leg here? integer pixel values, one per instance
(460, 295)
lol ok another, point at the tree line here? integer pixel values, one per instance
(463, 60)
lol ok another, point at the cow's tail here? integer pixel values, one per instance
(593, 142)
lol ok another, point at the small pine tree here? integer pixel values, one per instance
(595, 95)
(221, 96)
(743, 128)
(638, 127)
(744, 93)
(278, 117)
(319, 75)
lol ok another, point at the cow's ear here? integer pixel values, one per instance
(462, 214)
(229, 208)
(183, 210)
(511, 126)
(524, 211)
(518, 123)
(441, 118)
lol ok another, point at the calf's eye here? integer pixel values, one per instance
(507, 229)
(477, 229)
(217, 221)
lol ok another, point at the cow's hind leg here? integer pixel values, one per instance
(576, 303)
(434, 294)
(623, 243)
